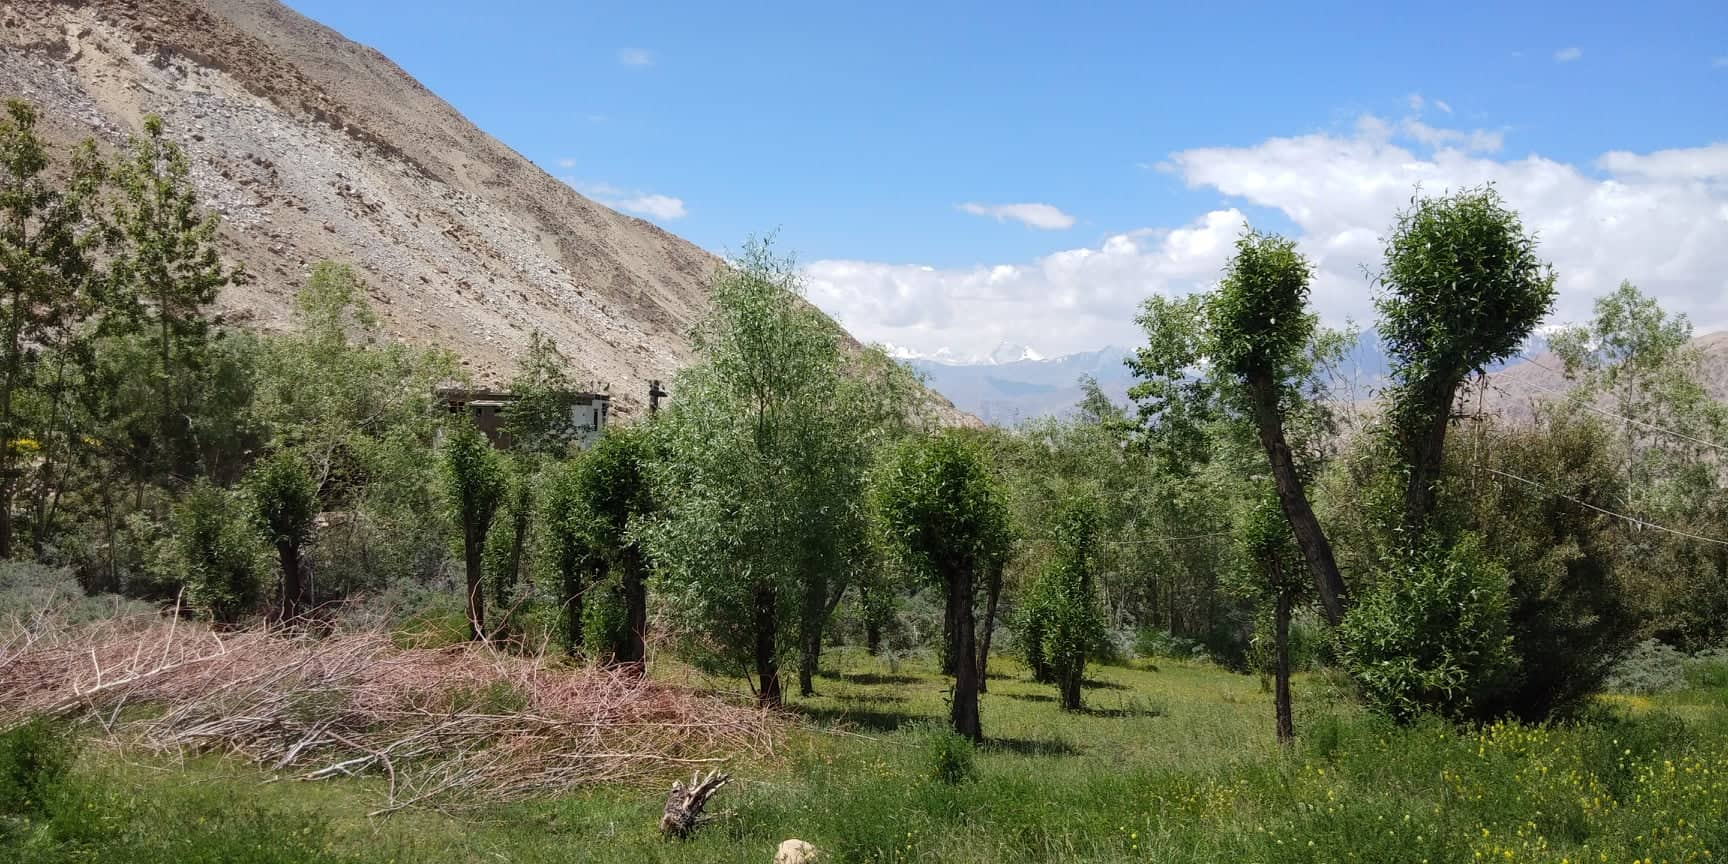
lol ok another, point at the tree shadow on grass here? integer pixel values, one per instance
(1029, 747)
(870, 678)
(1096, 684)
(1031, 697)
(869, 697)
(1121, 713)
(860, 718)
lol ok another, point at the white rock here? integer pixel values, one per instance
(795, 852)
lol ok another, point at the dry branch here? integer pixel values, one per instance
(442, 726)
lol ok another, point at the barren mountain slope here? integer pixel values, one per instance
(314, 147)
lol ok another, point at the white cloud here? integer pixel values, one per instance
(1720, 62)
(1417, 102)
(566, 163)
(1567, 55)
(636, 57)
(656, 206)
(1041, 216)
(1655, 218)
(1444, 108)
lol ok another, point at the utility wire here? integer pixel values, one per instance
(1603, 510)
(1611, 415)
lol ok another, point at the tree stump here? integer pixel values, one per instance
(684, 805)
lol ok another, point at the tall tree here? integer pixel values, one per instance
(165, 270)
(1464, 288)
(757, 486)
(473, 484)
(1259, 336)
(1271, 567)
(285, 500)
(1069, 626)
(946, 521)
(611, 495)
(569, 561)
(45, 236)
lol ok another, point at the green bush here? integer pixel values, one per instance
(34, 760)
(1431, 634)
(217, 554)
(949, 756)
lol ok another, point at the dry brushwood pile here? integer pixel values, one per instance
(444, 726)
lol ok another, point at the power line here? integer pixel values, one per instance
(1603, 510)
(1611, 415)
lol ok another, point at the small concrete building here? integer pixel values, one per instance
(488, 408)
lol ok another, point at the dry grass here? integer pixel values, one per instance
(444, 727)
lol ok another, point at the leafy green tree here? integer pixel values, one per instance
(1272, 568)
(1464, 288)
(216, 553)
(1263, 348)
(165, 269)
(45, 268)
(285, 500)
(569, 560)
(759, 491)
(1069, 625)
(611, 492)
(474, 483)
(538, 422)
(946, 522)
(507, 539)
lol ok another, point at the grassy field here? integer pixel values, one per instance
(1170, 762)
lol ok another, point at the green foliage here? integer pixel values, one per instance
(35, 757)
(950, 756)
(474, 484)
(939, 507)
(765, 451)
(216, 553)
(1257, 321)
(1061, 613)
(538, 422)
(567, 562)
(1464, 288)
(1432, 635)
(284, 497)
(507, 539)
(1650, 667)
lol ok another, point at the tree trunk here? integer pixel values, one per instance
(473, 543)
(964, 713)
(1426, 454)
(506, 587)
(993, 592)
(293, 592)
(573, 591)
(634, 648)
(1281, 668)
(872, 637)
(949, 632)
(1293, 497)
(767, 664)
(1070, 686)
(810, 634)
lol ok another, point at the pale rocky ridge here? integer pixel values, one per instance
(313, 147)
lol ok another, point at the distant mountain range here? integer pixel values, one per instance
(1014, 383)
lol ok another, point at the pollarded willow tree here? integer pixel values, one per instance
(285, 502)
(609, 497)
(1260, 346)
(766, 446)
(474, 484)
(1064, 600)
(944, 518)
(1464, 289)
(1271, 568)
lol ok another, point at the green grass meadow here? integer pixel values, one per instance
(1170, 762)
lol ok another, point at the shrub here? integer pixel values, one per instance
(1431, 635)
(949, 756)
(217, 554)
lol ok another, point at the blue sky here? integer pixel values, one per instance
(1145, 133)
